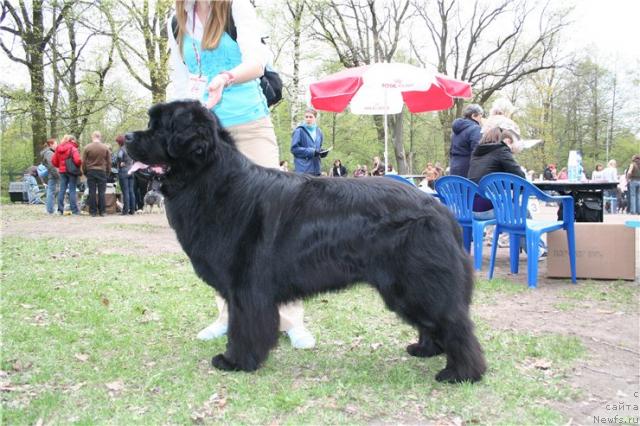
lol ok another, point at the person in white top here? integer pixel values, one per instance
(610, 174)
(221, 68)
(597, 173)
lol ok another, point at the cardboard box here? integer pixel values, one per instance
(110, 201)
(604, 251)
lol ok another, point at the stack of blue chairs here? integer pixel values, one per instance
(509, 195)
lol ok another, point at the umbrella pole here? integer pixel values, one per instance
(386, 131)
(386, 163)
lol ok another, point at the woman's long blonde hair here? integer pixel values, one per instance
(216, 24)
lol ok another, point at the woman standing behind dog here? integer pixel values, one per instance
(306, 145)
(209, 65)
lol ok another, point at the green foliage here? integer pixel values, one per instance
(625, 145)
(568, 106)
(571, 109)
(16, 150)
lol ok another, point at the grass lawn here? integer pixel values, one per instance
(95, 338)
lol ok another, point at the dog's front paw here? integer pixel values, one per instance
(451, 376)
(222, 363)
(424, 351)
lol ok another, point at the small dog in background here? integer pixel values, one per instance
(153, 198)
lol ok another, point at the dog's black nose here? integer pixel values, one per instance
(128, 138)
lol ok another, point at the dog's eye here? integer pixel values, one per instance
(198, 151)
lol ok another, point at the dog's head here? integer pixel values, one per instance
(181, 137)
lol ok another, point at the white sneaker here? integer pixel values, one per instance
(301, 338)
(214, 331)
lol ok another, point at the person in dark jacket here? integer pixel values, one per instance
(493, 154)
(126, 180)
(550, 172)
(96, 166)
(306, 145)
(68, 148)
(338, 169)
(53, 177)
(465, 136)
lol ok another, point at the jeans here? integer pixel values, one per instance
(485, 215)
(634, 196)
(128, 193)
(33, 190)
(612, 197)
(491, 214)
(97, 179)
(52, 190)
(70, 181)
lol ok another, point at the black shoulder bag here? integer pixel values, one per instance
(71, 167)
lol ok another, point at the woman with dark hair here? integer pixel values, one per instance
(633, 185)
(306, 145)
(126, 180)
(494, 154)
(338, 170)
(53, 177)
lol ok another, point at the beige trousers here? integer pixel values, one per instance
(257, 141)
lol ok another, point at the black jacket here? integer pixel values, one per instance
(492, 158)
(465, 136)
(339, 171)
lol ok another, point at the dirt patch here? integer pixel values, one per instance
(144, 233)
(609, 374)
(607, 378)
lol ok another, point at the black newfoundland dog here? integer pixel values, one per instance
(262, 237)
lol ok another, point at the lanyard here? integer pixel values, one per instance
(193, 42)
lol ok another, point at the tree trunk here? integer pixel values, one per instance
(72, 82)
(446, 119)
(296, 9)
(412, 131)
(334, 126)
(396, 127)
(55, 100)
(38, 105)
(35, 52)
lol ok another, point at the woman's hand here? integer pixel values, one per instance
(215, 89)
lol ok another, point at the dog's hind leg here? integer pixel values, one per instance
(465, 360)
(427, 346)
(253, 331)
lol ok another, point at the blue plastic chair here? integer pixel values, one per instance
(400, 179)
(509, 195)
(458, 194)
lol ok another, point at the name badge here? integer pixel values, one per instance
(197, 86)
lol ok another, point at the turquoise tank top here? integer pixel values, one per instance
(240, 103)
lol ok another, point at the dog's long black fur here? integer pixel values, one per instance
(262, 237)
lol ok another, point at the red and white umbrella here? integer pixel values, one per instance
(383, 88)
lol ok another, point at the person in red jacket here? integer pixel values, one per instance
(68, 148)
